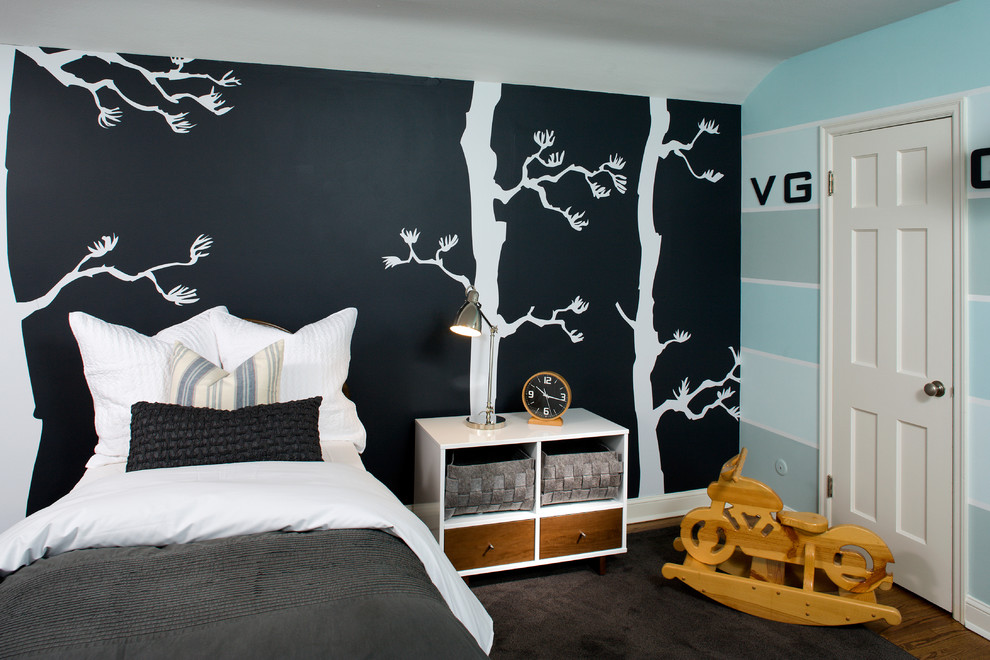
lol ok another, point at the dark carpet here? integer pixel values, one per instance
(569, 611)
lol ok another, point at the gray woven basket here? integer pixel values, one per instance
(482, 487)
(578, 476)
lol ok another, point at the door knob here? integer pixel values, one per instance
(935, 388)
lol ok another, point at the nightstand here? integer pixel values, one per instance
(552, 530)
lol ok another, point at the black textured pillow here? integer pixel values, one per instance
(168, 435)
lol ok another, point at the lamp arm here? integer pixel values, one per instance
(490, 324)
(490, 408)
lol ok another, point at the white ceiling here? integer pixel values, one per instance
(714, 50)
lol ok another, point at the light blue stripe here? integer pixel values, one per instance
(781, 246)
(979, 246)
(979, 350)
(939, 52)
(215, 393)
(799, 486)
(275, 354)
(780, 395)
(782, 320)
(778, 155)
(979, 541)
(191, 377)
(978, 114)
(978, 458)
(245, 377)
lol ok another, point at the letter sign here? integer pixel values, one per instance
(794, 193)
(762, 195)
(804, 188)
(977, 176)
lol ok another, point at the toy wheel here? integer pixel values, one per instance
(706, 537)
(852, 567)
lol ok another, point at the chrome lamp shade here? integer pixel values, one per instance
(469, 317)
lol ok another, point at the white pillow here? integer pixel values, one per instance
(315, 363)
(122, 367)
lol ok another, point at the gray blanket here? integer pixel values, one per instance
(330, 594)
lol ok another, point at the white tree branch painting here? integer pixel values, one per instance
(178, 295)
(19, 464)
(601, 181)
(19, 404)
(488, 233)
(710, 395)
(108, 115)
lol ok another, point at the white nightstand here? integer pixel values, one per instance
(483, 542)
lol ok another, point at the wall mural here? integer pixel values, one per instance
(58, 63)
(649, 346)
(551, 202)
(488, 236)
(488, 233)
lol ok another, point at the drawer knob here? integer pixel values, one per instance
(581, 536)
(490, 547)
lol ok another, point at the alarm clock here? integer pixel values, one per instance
(546, 397)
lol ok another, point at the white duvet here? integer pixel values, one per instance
(179, 505)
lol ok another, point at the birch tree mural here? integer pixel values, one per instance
(96, 260)
(89, 266)
(20, 399)
(692, 401)
(488, 232)
(57, 63)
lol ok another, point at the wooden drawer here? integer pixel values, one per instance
(580, 532)
(490, 545)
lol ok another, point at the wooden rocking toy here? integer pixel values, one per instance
(745, 552)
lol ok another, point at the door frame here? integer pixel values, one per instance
(953, 108)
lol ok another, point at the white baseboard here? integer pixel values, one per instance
(657, 507)
(977, 616)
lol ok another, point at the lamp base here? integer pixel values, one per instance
(482, 426)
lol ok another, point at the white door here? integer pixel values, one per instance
(892, 332)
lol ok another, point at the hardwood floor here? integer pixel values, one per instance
(925, 630)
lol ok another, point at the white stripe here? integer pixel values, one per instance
(788, 436)
(780, 131)
(981, 193)
(978, 298)
(781, 358)
(789, 207)
(979, 402)
(979, 505)
(797, 285)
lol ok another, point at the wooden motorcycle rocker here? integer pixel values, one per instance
(744, 551)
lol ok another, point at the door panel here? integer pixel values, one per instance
(892, 333)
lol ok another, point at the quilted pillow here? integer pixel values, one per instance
(123, 366)
(316, 360)
(168, 435)
(195, 381)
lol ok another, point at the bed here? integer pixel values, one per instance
(226, 513)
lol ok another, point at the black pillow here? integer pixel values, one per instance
(168, 435)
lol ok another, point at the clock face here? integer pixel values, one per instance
(546, 395)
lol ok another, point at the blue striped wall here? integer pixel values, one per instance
(779, 315)
(978, 422)
(978, 308)
(938, 53)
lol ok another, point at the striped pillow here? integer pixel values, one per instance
(195, 381)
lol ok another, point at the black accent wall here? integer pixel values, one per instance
(304, 186)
